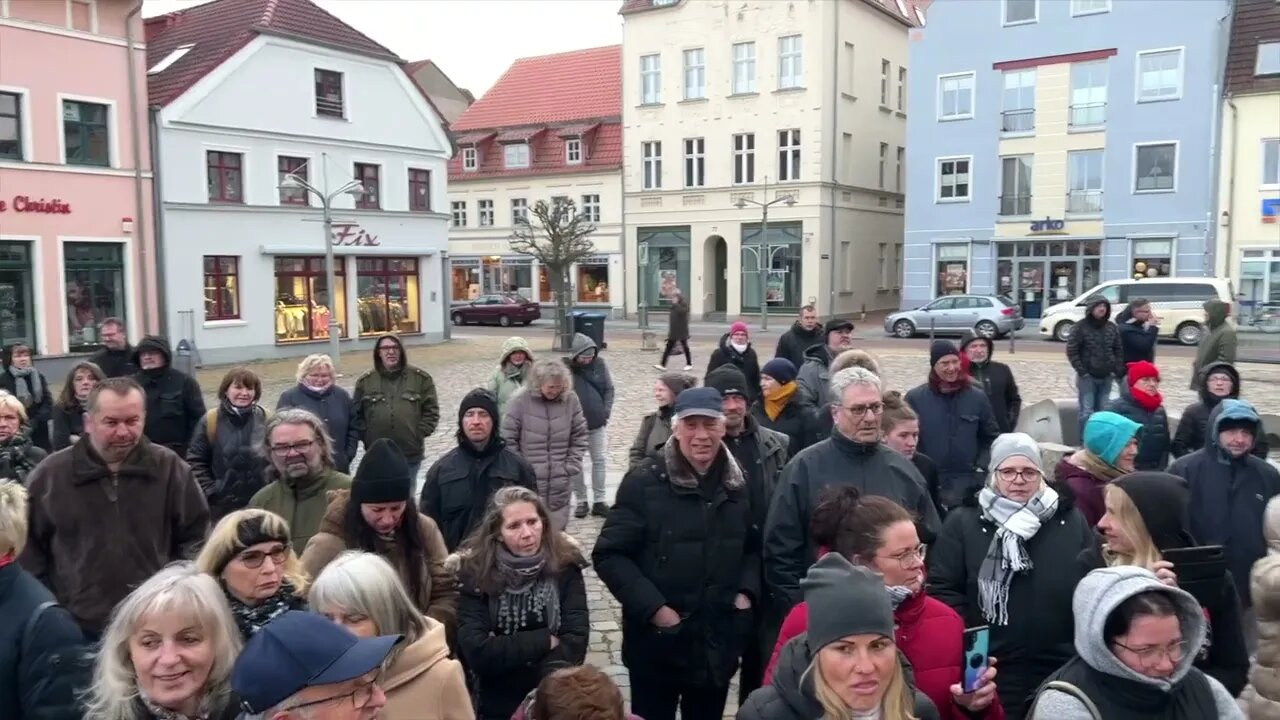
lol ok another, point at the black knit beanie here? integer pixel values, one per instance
(479, 398)
(1164, 502)
(383, 475)
(844, 600)
(729, 380)
(940, 349)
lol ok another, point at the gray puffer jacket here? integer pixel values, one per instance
(552, 436)
(591, 382)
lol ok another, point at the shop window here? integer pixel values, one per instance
(368, 176)
(664, 262)
(507, 275)
(303, 300)
(297, 167)
(593, 280)
(226, 181)
(952, 269)
(387, 290)
(783, 265)
(94, 274)
(420, 190)
(17, 314)
(1152, 258)
(221, 287)
(85, 133)
(464, 280)
(1259, 279)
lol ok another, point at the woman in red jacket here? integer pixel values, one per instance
(880, 534)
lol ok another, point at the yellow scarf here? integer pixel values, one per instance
(776, 399)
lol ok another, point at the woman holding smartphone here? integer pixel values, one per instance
(1146, 516)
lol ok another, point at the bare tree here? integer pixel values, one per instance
(557, 237)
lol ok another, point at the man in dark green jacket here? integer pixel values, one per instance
(397, 401)
(1219, 345)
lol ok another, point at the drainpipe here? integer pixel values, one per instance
(137, 118)
(622, 237)
(835, 164)
(1231, 186)
(161, 294)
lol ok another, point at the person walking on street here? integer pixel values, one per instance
(513, 366)
(1217, 381)
(117, 357)
(318, 392)
(301, 473)
(397, 401)
(803, 334)
(18, 455)
(677, 332)
(681, 554)
(224, 452)
(814, 375)
(735, 349)
(1093, 349)
(995, 379)
(111, 510)
(175, 404)
(22, 380)
(780, 408)
(900, 428)
(1219, 345)
(593, 385)
(1262, 699)
(1110, 449)
(461, 482)
(68, 409)
(1144, 405)
(545, 424)
(655, 428)
(1139, 331)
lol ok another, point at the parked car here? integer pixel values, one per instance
(1177, 302)
(498, 309)
(990, 316)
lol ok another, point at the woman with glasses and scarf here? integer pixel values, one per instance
(248, 553)
(1007, 558)
(29, 385)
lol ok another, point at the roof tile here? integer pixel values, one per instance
(559, 88)
(603, 150)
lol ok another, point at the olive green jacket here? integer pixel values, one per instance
(301, 503)
(1218, 345)
(401, 406)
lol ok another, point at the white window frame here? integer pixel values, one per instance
(937, 179)
(902, 88)
(1071, 96)
(790, 62)
(651, 79)
(1004, 15)
(744, 68)
(1102, 177)
(744, 158)
(1137, 74)
(884, 162)
(900, 160)
(935, 257)
(1079, 9)
(590, 207)
(973, 95)
(470, 159)
(113, 132)
(651, 165)
(1133, 170)
(519, 163)
(1272, 145)
(458, 209)
(485, 211)
(1005, 89)
(886, 69)
(695, 73)
(519, 211)
(788, 154)
(24, 117)
(573, 151)
(93, 15)
(695, 160)
(1257, 65)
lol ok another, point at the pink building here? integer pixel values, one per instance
(76, 236)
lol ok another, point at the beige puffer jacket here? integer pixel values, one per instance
(552, 436)
(1261, 699)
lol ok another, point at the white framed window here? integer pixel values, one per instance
(1088, 95)
(1271, 162)
(1155, 167)
(519, 211)
(850, 70)
(790, 62)
(897, 169)
(651, 165)
(590, 208)
(788, 155)
(470, 160)
(744, 158)
(1018, 109)
(1159, 75)
(458, 208)
(885, 68)
(1015, 185)
(1268, 58)
(744, 68)
(884, 160)
(956, 96)
(695, 74)
(484, 208)
(650, 79)
(573, 151)
(1084, 181)
(902, 89)
(695, 162)
(515, 155)
(1089, 7)
(954, 182)
(1020, 12)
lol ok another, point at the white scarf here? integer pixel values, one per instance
(740, 348)
(1016, 523)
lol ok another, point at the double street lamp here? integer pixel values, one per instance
(764, 259)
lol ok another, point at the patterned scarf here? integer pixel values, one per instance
(14, 454)
(28, 392)
(527, 592)
(164, 713)
(250, 619)
(898, 594)
(1016, 523)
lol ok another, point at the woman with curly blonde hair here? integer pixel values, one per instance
(249, 554)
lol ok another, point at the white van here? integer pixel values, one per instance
(1177, 302)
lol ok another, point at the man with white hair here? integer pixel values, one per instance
(853, 455)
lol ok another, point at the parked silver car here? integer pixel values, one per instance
(990, 316)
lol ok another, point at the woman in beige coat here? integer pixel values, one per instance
(1261, 699)
(363, 593)
(544, 424)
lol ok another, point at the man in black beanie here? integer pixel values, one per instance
(814, 375)
(460, 484)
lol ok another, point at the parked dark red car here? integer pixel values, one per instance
(499, 309)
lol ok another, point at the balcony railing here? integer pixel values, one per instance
(1013, 205)
(1018, 121)
(1084, 202)
(1088, 115)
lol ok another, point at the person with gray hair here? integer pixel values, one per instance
(545, 424)
(300, 474)
(852, 455)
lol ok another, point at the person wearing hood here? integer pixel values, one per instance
(814, 375)
(847, 663)
(593, 385)
(514, 362)
(655, 428)
(22, 380)
(996, 381)
(18, 455)
(318, 392)
(301, 472)
(780, 408)
(677, 331)
(1219, 345)
(1143, 404)
(1217, 381)
(545, 424)
(1003, 560)
(223, 454)
(1136, 640)
(735, 349)
(803, 334)
(1149, 513)
(461, 482)
(397, 401)
(362, 592)
(1095, 354)
(957, 423)
(175, 404)
(1262, 697)
(1110, 448)
(1139, 331)
(117, 357)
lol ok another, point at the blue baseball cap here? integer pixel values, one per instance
(702, 401)
(298, 650)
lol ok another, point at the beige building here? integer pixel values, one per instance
(731, 105)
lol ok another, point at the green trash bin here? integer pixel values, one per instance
(591, 324)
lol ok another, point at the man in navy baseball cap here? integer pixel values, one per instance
(301, 660)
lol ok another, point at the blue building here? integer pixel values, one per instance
(1054, 144)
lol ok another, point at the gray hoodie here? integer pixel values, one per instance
(1096, 597)
(591, 382)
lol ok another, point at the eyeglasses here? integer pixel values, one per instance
(253, 559)
(1149, 657)
(906, 557)
(361, 696)
(1023, 474)
(859, 410)
(298, 447)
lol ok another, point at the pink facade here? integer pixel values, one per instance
(74, 242)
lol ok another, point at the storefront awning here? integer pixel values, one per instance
(576, 130)
(519, 135)
(475, 138)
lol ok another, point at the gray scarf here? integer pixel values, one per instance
(28, 392)
(898, 594)
(527, 592)
(1015, 523)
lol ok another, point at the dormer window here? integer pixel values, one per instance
(329, 94)
(470, 160)
(664, 3)
(174, 56)
(573, 151)
(515, 155)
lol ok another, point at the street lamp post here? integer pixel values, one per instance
(326, 198)
(763, 259)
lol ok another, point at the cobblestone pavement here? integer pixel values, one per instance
(466, 362)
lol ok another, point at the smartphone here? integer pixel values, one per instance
(976, 642)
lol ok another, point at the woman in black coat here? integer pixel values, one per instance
(735, 349)
(1144, 405)
(318, 394)
(523, 608)
(1217, 382)
(677, 331)
(224, 453)
(781, 409)
(68, 411)
(29, 385)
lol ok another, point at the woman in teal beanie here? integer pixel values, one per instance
(1110, 446)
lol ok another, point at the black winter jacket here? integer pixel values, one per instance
(793, 342)
(1153, 439)
(116, 363)
(1040, 636)
(335, 407)
(592, 382)
(747, 362)
(956, 432)
(929, 471)
(39, 409)
(229, 466)
(1093, 348)
(68, 425)
(25, 690)
(797, 421)
(873, 469)
(665, 544)
(1194, 422)
(1136, 342)
(996, 381)
(175, 404)
(461, 482)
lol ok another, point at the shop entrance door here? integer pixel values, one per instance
(1029, 281)
(1064, 281)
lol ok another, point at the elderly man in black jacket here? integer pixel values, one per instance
(681, 554)
(996, 380)
(460, 484)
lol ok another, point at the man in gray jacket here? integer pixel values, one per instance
(594, 386)
(815, 373)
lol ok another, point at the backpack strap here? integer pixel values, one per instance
(29, 632)
(1067, 688)
(211, 425)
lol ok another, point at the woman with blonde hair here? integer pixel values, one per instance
(18, 454)
(318, 392)
(249, 554)
(362, 592)
(167, 653)
(545, 424)
(68, 409)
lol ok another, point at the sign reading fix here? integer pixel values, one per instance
(347, 234)
(25, 204)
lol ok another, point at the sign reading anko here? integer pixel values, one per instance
(352, 235)
(24, 204)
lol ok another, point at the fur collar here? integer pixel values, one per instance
(681, 474)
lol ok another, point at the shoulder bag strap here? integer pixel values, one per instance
(1068, 689)
(29, 632)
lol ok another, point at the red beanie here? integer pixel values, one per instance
(1142, 369)
(738, 327)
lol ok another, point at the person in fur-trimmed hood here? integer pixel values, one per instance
(1262, 697)
(735, 348)
(514, 362)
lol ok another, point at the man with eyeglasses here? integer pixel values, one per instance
(397, 401)
(300, 474)
(301, 666)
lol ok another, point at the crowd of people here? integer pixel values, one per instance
(835, 543)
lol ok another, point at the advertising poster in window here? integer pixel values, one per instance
(775, 287)
(668, 285)
(955, 279)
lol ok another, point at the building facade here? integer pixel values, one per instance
(449, 100)
(1053, 147)
(76, 243)
(1249, 191)
(243, 250)
(729, 107)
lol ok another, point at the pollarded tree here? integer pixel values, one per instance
(557, 237)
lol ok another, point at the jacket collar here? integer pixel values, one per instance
(418, 658)
(88, 466)
(852, 447)
(681, 473)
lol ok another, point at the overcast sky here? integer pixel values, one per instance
(473, 41)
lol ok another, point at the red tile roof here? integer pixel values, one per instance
(602, 146)
(561, 88)
(634, 6)
(220, 28)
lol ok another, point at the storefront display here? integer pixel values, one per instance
(593, 280)
(17, 321)
(221, 287)
(1260, 277)
(94, 274)
(464, 279)
(1152, 258)
(783, 268)
(387, 295)
(303, 302)
(1036, 274)
(664, 264)
(952, 269)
